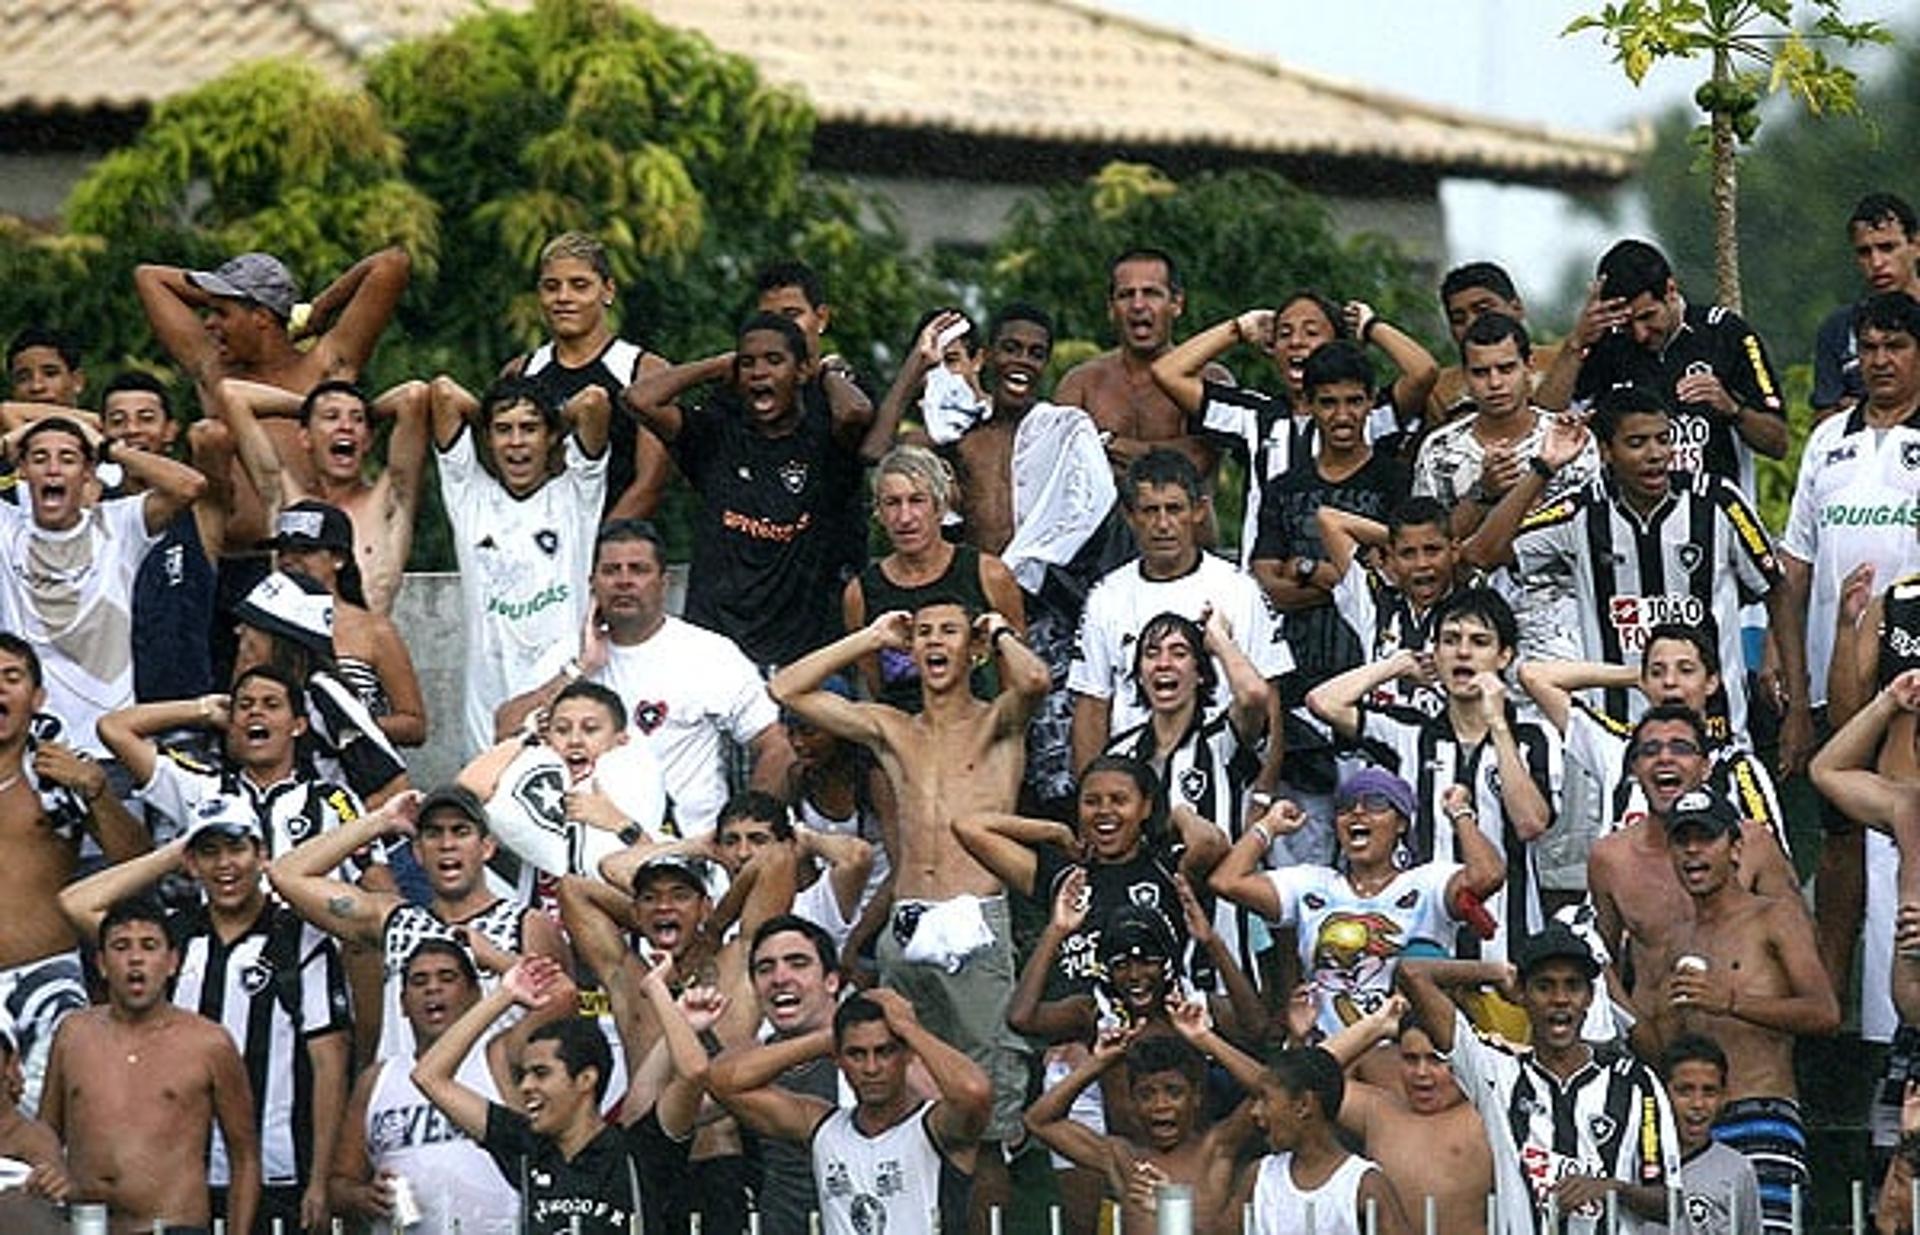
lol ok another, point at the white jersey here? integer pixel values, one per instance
(528, 813)
(817, 904)
(1608, 1120)
(1280, 1206)
(454, 1179)
(523, 573)
(877, 1185)
(1122, 603)
(70, 594)
(863, 824)
(1350, 944)
(1857, 500)
(685, 688)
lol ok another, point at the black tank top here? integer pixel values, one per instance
(899, 680)
(1900, 630)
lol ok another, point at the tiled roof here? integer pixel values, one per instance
(1056, 71)
(117, 54)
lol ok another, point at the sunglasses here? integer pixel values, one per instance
(1653, 747)
(1372, 802)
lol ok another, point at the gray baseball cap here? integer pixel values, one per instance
(259, 277)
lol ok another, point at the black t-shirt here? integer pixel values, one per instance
(1711, 339)
(612, 370)
(764, 557)
(602, 1185)
(1146, 879)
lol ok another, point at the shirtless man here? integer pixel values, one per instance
(135, 1088)
(1145, 297)
(47, 795)
(1425, 1135)
(1744, 971)
(237, 321)
(1167, 1081)
(960, 756)
(337, 427)
(29, 1146)
(1638, 900)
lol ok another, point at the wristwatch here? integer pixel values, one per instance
(1540, 467)
(1304, 568)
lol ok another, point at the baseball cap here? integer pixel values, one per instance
(1377, 780)
(257, 277)
(693, 871)
(1136, 930)
(291, 607)
(1556, 942)
(311, 524)
(1704, 811)
(223, 814)
(458, 799)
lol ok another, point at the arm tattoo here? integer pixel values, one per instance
(341, 906)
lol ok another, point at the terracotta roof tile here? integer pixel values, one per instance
(1057, 71)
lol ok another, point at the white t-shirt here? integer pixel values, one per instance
(871, 1184)
(684, 689)
(453, 1179)
(1349, 943)
(1122, 603)
(523, 573)
(1857, 500)
(70, 594)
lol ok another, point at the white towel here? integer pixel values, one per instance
(948, 933)
(949, 406)
(1062, 490)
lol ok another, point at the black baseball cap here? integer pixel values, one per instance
(1555, 943)
(1702, 810)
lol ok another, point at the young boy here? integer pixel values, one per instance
(1510, 768)
(1396, 605)
(1309, 1170)
(1719, 1193)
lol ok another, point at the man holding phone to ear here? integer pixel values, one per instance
(684, 687)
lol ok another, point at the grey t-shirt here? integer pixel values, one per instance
(1719, 1194)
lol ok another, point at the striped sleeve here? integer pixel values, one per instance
(1750, 550)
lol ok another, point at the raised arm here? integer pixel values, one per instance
(1240, 877)
(1249, 691)
(1856, 645)
(919, 360)
(1243, 1003)
(799, 685)
(1181, 372)
(450, 407)
(173, 308)
(1428, 984)
(1492, 542)
(86, 902)
(530, 983)
(654, 397)
(1551, 684)
(1337, 700)
(849, 864)
(128, 733)
(1483, 868)
(590, 412)
(355, 308)
(1525, 803)
(1006, 845)
(1418, 369)
(301, 875)
(678, 1102)
(409, 405)
(966, 1095)
(1843, 770)
(1343, 534)
(1059, 1020)
(746, 1081)
(1050, 1117)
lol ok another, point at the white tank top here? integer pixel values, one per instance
(881, 1185)
(452, 1177)
(1280, 1206)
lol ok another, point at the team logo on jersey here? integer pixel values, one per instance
(548, 540)
(1601, 1126)
(1194, 783)
(1145, 895)
(867, 1215)
(650, 714)
(793, 474)
(1841, 454)
(254, 978)
(541, 791)
(1910, 455)
(300, 827)
(1690, 556)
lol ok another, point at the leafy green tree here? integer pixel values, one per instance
(1754, 49)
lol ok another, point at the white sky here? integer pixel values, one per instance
(1502, 57)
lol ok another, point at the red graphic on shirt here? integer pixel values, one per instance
(650, 714)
